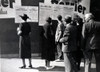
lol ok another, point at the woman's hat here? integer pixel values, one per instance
(24, 17)
(48, 19)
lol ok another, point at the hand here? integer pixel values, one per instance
(19, 32)
(18, 29)
(61, 40)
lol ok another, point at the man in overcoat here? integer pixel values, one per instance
(69, 45)
(91, 41)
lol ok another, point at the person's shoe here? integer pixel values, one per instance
(23, 67)
(58, 60)
(50, 67)
(30, 66)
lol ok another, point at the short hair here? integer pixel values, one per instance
(75, 17)
(68, 18)
(89, 15)
(61, 3)
(59, 17)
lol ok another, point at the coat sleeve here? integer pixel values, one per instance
(59, 32)
(19, 30)
(47, 32)
(83, 39)
(65, 36)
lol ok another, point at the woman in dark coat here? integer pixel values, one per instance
(48, 50)
(24, 31)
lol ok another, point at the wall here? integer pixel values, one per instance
(8, 36)
(95, 9)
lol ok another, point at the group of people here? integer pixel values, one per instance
(67, 40)
(73, 39)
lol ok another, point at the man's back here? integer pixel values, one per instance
(70, 38)
(91, 35)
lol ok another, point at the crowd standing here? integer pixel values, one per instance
(74, 40)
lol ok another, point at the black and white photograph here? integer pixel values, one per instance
(49, 35)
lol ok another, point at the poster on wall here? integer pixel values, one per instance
(44, 12)
(31, 11)
(50, 10)
(7, 8)
(81, 7)
(62, 10)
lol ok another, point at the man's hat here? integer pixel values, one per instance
(59, 17)
(68, 18)
(48, 19)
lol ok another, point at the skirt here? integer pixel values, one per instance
(24, 47)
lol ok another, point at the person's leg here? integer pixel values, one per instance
(67, 63)
(97, 58)
(78, 64)
(79, 56)
(23, 61)
(48, 63)
(88, 57)
(73, 61)
(59, 51)
(87, 65)
(30, 62)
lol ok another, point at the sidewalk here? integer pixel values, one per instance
(13, 64)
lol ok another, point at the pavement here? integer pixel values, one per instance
(13, 64)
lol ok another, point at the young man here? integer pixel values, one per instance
(69, 45)
(58, 35)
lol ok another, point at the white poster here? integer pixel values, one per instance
(7, 8)
(62, 10)
(31, 11)
(44, 12)
(52, 10)
(81, 7)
